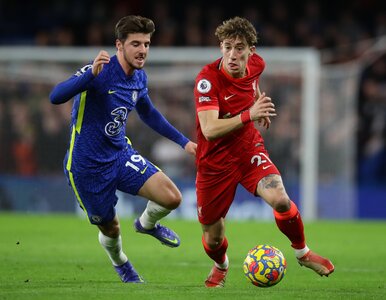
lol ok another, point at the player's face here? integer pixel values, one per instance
(235, 56)
(134, 51)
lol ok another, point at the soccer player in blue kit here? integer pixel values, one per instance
(101, 159)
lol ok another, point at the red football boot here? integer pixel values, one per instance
(216, 277)
(319, 264)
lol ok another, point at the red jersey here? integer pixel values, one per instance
(216, 90)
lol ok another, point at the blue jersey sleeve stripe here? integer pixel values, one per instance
(72, 142)
(80, 115)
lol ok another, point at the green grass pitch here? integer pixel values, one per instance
(59, 257)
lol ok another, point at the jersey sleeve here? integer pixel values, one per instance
(205, 92)
(74, 85)
(156, 121)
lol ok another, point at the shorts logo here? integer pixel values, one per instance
(96, 219)
(144, 170)
(204, 86)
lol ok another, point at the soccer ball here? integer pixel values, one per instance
(265, 266)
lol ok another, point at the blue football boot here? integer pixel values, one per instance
(165, 235)
(128, 274)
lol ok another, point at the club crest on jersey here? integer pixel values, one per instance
(134, 96)
(204, 86)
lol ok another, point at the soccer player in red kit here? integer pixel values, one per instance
(231, 150)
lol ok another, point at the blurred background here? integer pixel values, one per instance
(326, 72)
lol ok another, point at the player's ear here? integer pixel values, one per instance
(118, 45)
(252, 50)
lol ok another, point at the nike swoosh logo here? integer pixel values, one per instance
(266, 167)
(175, 241)
(111, 92)
(228, 97)
(143, 171)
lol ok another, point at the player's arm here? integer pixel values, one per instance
(79, 82)
(212, 127)
(156, 121)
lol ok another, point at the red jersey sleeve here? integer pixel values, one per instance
(205, 91)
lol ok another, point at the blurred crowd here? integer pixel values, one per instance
(341, 30)
(314, 23)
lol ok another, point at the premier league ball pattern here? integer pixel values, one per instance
(265, 266)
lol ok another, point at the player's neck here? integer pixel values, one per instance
(127, 69)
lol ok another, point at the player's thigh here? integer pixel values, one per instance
(272, 190)
(215, 194)
(262, 178)
(134, 171)
(161, 189)
(95, 194)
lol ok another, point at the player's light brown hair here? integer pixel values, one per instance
(237, 27)
(133, 24)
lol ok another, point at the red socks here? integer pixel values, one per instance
(291, 224)
(218, 254)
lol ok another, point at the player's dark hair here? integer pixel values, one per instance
(133, 24)
(237, 27)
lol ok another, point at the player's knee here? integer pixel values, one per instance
(282, 203)
(111, 230)
(214, 242)
(174, 200)
(114, 232)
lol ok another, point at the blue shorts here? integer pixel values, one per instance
(95, 189)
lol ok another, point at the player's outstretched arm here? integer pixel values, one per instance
(78, 82)
(156, 121)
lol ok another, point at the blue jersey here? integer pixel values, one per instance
(100, 110)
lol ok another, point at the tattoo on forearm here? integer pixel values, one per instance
(270, 182)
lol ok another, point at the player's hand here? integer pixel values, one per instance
(265, 122)
(191, 148)
(102, 58)
(262, 110)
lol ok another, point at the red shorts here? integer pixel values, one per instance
(216, 189)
